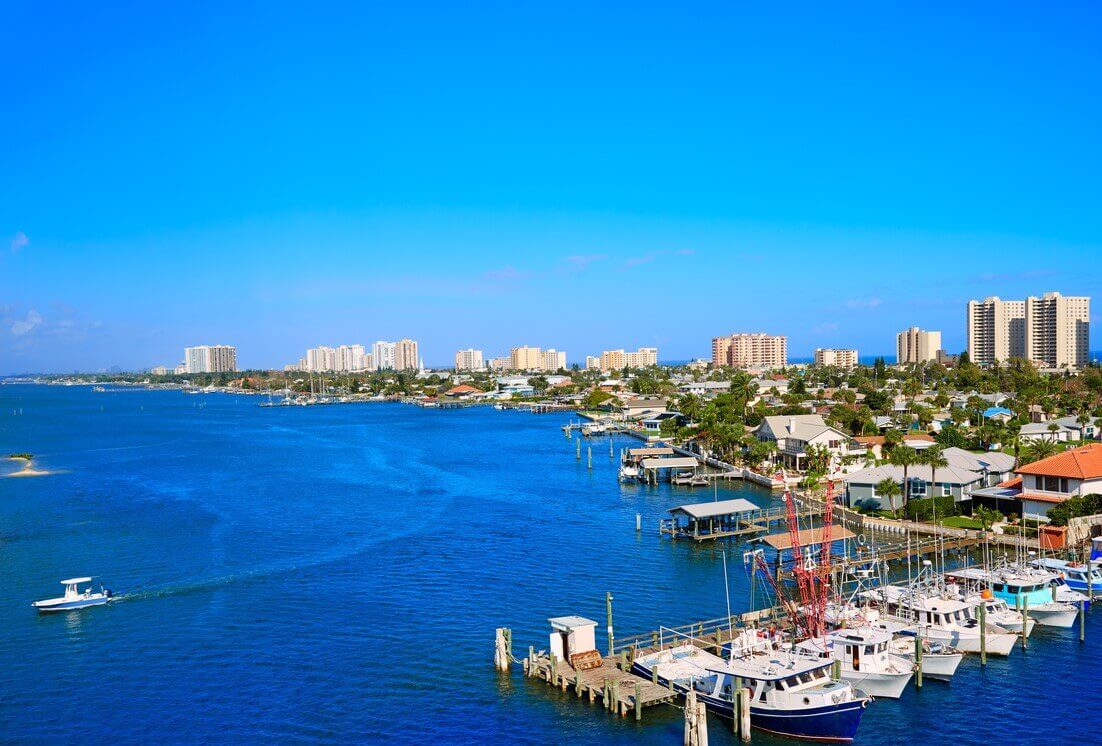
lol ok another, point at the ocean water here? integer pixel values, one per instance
(336, 574)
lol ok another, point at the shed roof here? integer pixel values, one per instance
(808, 536)
(677, 462)
(717, 508)
(651, 451)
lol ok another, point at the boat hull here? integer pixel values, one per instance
(889, 685)
(1062, 618)
(996, 643)
(45, 607)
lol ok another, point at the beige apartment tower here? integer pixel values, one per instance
(837, 358)
(644, 357)
(1057, 330)
(996, 330)
(469, 360)
(750, 351)
(914, 346)
(405, 355)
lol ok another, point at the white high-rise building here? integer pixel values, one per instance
(554, 360)
(996, 330)
(916, 346)
(210, 359)
(383, 355)
(836, 357)
(469, 359)
(351, 358)
(1057, 330)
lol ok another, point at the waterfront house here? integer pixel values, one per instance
(874, 444)
(642, 407)
(966, 473)
(653, 424)
(792, 435)
(706, 389)
(463, 391)
(1051, 481)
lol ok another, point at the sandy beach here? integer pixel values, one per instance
(28, 469)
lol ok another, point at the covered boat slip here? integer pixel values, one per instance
(714, 520)
(659, 468)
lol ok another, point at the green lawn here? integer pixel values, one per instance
(962, 521)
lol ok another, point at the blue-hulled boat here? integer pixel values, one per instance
(790, 694)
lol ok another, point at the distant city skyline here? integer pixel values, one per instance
(430, 176)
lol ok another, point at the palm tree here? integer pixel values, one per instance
(1039, 449)
(690, 406)
(889, 488)
(906, 457)
(934, 457)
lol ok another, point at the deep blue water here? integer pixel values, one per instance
(336, 573)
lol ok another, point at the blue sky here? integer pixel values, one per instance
(278, 176)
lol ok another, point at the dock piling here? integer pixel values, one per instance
(918, 661)
(578, 449)
(1025, 620)
(1083, 620)
(638, 701)
(744, 714)
(638, 521)
(589, 452)
(608, 610)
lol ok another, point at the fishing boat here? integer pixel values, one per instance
(74, 598)
(1025, 588)
(1075, 574)
(865, 659)
(939, 660)
(790, 694)
(628, 473)
(942, 618)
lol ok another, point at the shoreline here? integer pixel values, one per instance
(28, 469)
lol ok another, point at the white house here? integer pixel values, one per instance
(794, 433)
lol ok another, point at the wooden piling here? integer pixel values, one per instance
(744, 714)
(589, 452)
(918, 661)
(638, 701)
(578, 683)
(836, 669)
(638, 522)
(578, 449)
(1083, 619)
(1025, 620)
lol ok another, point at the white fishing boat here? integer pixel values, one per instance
(939, 660)
(940, 618)
(996, 610)
(865, 659)
(790, 694)
(74, 598)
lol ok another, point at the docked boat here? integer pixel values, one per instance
(74, 598)
(939, 660)
(790, 694)
(942, 618)
(1022, 586)
(865, 659)
(1075, 574)
(629, 473)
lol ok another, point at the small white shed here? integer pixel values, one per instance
(571, 635)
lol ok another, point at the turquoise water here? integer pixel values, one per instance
(336, 573)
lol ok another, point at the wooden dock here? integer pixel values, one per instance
(619, 690)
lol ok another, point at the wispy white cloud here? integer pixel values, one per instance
(652, 256)
(581, 261)
(19, 242)
(26, 324)
(507, 274)
(863, 303)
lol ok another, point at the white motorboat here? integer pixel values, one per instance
(865, 658)
(939, 660)
(940, 618)
(75, 598)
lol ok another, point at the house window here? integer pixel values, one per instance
(1053, 484)
(946, 490)
(918, 488)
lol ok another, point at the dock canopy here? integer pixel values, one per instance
(650, 451)
(704, 511)
(808, 536)
(679, 462)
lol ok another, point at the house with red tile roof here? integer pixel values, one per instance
(463, 391)
(1051, 481)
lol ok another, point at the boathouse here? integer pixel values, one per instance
(712, 520)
